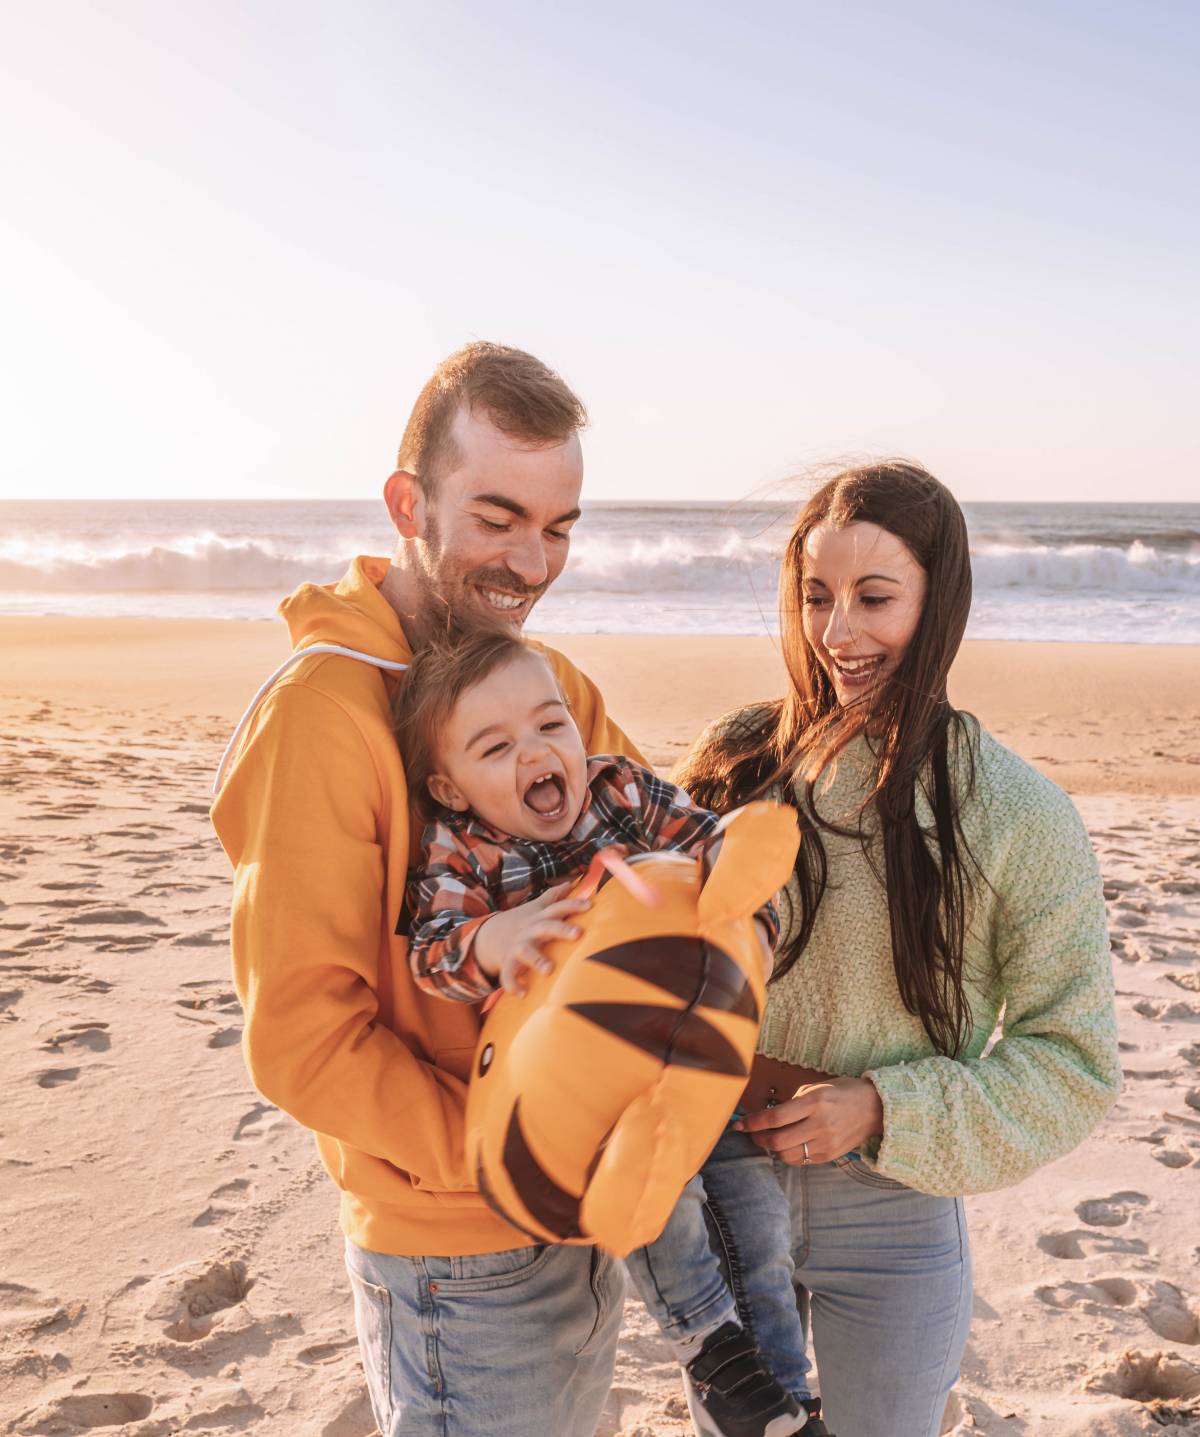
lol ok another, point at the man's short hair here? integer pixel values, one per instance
(518, 393)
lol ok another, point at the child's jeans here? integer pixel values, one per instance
(681, 1276)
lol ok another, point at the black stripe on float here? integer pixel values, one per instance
(672, 1035)
(547, 1203)
(694, 971)
(489, 1197)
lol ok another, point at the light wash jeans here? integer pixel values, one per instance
(880, 1273)
(883, 1274)
(725, 1255)
(504, 1344)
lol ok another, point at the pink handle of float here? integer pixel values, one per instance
(631, 881)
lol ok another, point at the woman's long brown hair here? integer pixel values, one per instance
(910, 728)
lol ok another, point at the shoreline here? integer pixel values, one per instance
(556, 636)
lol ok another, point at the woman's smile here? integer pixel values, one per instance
(863, 594)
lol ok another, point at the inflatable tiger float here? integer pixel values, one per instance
(595, 1098)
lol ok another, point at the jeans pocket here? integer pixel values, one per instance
(485, 1271)
(373, 1319)
(859, 1171)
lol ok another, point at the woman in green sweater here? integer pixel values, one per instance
(944, 890)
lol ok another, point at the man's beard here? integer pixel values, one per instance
(449, 591)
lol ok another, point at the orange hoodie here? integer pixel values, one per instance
(313, 813)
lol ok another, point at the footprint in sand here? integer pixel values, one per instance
(39, 975)
(91, 1035)
(1154, 1377)
(82, 1411)
(56, 1077)
(188, 1301)
(1170, 1315)
(219, 1207)
(205, 939)
(225, 1038)
(1162, 1305)
(1188, 981)
(28, 1313)
(251, 1124)
(236, 1187)
(1100, 1293)
(1085, 1242)
(1131, 920)
(1179, 1011)
(1172, 1157)
(114, 943)
(1111, 1211)
(115, 915)
(326, 1351)
(224, 1000)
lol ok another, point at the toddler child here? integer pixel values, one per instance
(516, 811)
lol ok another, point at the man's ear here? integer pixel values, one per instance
(402, 495)
(442, 791)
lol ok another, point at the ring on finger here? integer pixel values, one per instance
(807, 1159)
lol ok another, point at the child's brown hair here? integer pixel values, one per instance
(429, 689)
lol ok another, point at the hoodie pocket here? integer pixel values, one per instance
(457, 1062)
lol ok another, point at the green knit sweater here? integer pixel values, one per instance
(1038, 969)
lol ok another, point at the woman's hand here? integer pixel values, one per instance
(831, 1118)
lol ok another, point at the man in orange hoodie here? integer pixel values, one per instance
(465, 1328)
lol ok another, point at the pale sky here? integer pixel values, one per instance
(235, 238)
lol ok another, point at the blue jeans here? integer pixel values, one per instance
(880, 1273)
(724, 1256)
(503, 1344)
(883, 1276)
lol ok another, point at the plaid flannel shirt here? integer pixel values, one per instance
(470, 870)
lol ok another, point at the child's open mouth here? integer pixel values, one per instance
(547, 796)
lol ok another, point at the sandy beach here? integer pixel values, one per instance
(169, 1258)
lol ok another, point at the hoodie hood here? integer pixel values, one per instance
(351, 613)
(350, 618)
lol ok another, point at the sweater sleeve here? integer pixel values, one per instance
(960, 1126)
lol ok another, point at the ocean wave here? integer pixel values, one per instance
(1070, 567)
(1181, 539)
(190, 564)
(715, 563)
(211, 562)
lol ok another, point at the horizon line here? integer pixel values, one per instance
(744, 500)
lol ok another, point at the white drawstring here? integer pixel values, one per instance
(294, 658)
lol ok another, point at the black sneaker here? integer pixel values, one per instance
(814, 1427)
(736, 1396)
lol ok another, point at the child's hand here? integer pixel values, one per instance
(507, 945)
